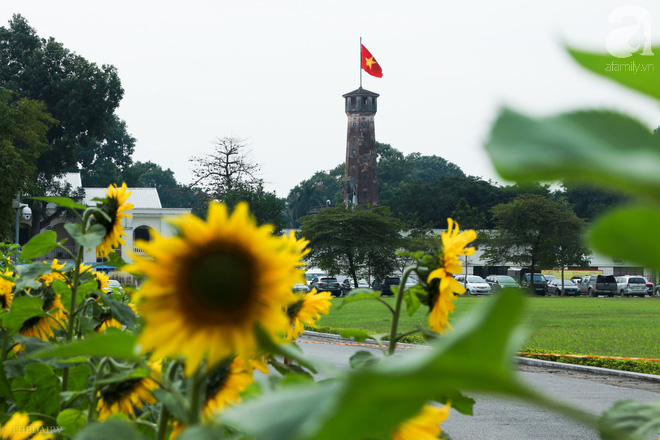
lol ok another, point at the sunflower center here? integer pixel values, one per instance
(110, 207)
(221, 281)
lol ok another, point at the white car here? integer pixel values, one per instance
(475, 285)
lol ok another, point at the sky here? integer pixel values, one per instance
(273, 72)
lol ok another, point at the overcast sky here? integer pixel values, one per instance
(273, 72)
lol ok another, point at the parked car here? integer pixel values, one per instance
(549, 278)
(570, 288)
(113, 286)
(649, 288)
(385, 286)
(326, 284)
(539, 283)
(595, 285)
(300, 288)
(498, 282)
(347, 284)
(475, 285)
(629, 285)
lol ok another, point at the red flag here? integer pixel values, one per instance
(369, 64)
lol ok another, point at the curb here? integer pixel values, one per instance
(523, 360)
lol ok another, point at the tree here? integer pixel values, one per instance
(353, 240)
(227, 167)
(536, 231)
(23, 127)
(589, 201)
(264, 206)
(315, 191)
(79, 94)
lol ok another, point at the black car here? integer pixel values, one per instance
(386, 286)
(326, 284)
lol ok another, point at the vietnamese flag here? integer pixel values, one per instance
(369, 63)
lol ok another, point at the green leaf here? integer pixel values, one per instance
(22, 309)
(177, 408)
(359, 295)
(459, 402)
(115, 260)
(356, 333)
(91, 239)
(602, 147)
(369, 403)
(110, 430)
(411, 298)
(629, 234)
(290, 351)
(120, 311)
(45, 397)
(64, 202)
(363, 358)
(39, 245)
(117, 344)
(72, 420)
(640, 420)
(27, 274)
(79, 377)
(203, 432)
(639, 72)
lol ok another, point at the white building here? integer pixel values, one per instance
(147, 214)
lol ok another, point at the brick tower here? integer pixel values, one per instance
(360, 179)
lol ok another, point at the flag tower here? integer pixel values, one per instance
(360, 177)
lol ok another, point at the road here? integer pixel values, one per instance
(499, 419)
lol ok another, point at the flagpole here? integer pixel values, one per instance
(360, 61)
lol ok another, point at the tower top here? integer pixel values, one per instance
(361, 101)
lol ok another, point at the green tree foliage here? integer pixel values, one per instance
(589, 201)
(79, 94)
(538, 232)
(316, 191)
(265, 206)
(23, 127)
(353, 240)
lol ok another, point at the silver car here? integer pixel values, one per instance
(628, 285)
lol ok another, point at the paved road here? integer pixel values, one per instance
(498, 419)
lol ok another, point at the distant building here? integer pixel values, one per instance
(361, 180)
(147, 215)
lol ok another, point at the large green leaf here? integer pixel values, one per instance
(641, 420)
(72, 420)
(61, 201)
(120, 311)
(39, 245)
(44, 398)
(370, 402)
(22, 309)
(638, 72)
(110, 430)
(92, 238)
(27, 275)
(630, 234)
(117, 344)
(603, 147)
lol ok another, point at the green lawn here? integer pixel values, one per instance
(627, 327)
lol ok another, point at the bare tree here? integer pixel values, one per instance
(227, 167)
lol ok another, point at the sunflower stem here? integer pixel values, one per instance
(5, 344)
(164, 415)
(195, 392)
(92, 401)
(397, 309)
(72, 306)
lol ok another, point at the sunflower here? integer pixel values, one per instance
(43, 327)
(125, 396)
(102, 280)
(6, 287)
(224, 387)
(453, 243)
(18, 427)
(208, 287)
(107, 321)
(115, 206)
(55, 275)
(307, 310)
(424, 426)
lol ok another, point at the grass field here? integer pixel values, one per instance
(628, 327)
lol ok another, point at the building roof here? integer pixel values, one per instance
(139, 198)
(361, 92)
